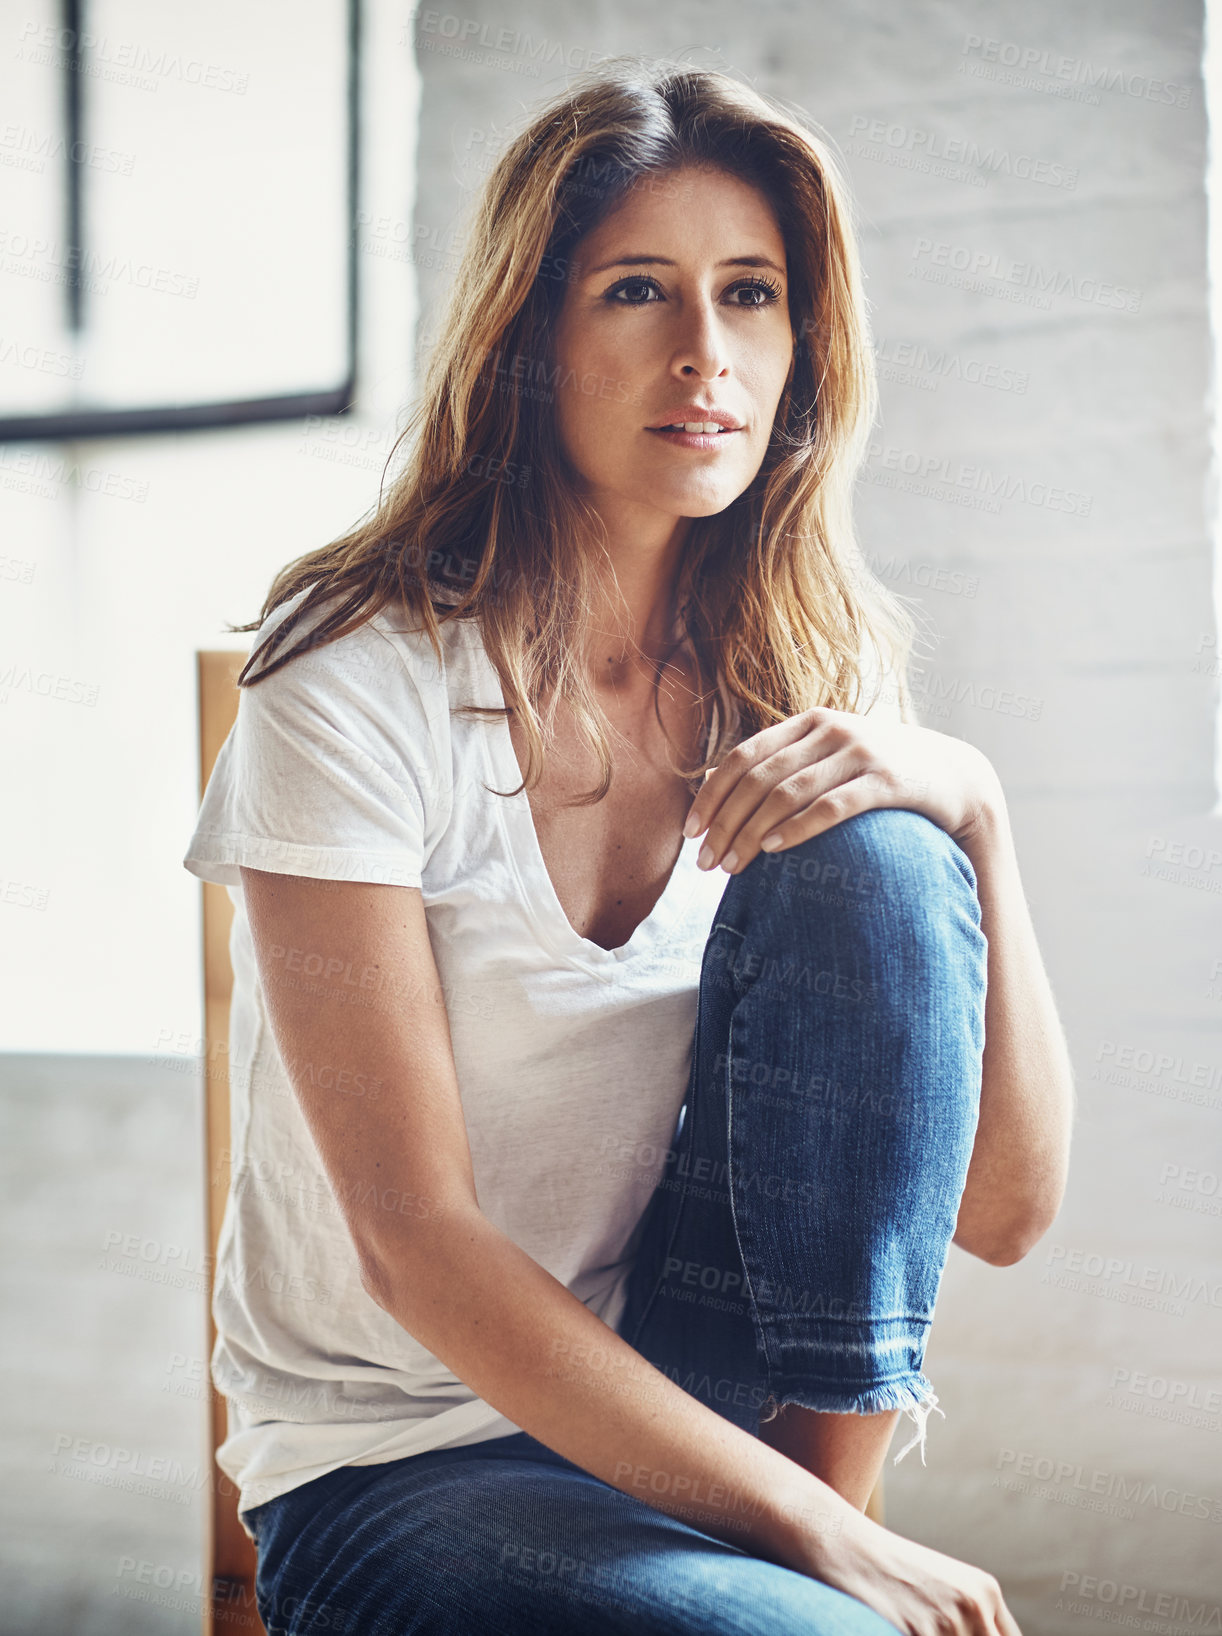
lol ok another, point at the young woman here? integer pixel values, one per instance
(608, 1038)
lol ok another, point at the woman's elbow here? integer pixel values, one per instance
(1006, 1245)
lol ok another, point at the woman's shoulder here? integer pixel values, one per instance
(383, 653)
(339, 763)
(402, 630)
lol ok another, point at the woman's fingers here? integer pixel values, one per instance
(733, 790)
(798, 805)
(922, 1592)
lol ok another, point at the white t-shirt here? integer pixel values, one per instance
(572, 1060)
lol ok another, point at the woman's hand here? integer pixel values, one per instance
(918, 1590)
(804, 775)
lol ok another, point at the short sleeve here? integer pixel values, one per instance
(332, 769)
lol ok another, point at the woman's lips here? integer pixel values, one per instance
(693, 440)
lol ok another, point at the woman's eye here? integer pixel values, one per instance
(767, 292)
(762, 291)
(633, 284)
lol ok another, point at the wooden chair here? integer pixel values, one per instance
(229, 1556)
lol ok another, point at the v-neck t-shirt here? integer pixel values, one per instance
(572, 1060)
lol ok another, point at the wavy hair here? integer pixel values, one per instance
(774, 601)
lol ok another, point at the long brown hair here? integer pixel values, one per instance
(773, 598)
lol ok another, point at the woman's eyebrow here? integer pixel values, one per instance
(663, 261)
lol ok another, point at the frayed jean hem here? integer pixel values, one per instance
(914, 1396)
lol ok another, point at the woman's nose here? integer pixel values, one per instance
(702, 343)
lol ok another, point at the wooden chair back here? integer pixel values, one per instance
(229, 1555)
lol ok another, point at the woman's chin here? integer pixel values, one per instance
(689, 501)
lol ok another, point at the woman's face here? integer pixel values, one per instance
(700, 317)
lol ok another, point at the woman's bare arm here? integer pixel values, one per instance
(503, 1324)
(1020, 1160)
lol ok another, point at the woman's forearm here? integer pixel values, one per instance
(524, 1343)
(1020, 1161)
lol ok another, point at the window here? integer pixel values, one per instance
(179, 246)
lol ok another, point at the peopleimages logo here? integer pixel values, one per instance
(1031, 63)
(917, 363)
(994, 274)
(889, 141)
(940, 477)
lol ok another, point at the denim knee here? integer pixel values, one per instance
(857, 970)
(853, 864)
(855, 913)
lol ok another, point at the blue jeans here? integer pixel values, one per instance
(792, 1253)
